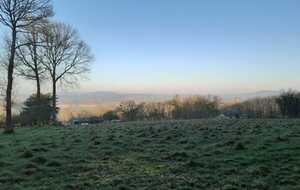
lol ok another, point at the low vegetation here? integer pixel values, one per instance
(286, 105)
(192, 154)
(37, 110)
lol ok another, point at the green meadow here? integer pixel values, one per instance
(184, 155)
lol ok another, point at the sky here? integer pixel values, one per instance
(188, 46)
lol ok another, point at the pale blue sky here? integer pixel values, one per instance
(188, 46)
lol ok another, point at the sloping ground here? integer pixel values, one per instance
(204, 154)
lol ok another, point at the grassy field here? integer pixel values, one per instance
(199, 154)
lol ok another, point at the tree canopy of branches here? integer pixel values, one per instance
(289, 104)
(264, 107)
(28, 56)
(17, 15)
(65, 56)
(155, 111)
(129, 110)
(195, 107)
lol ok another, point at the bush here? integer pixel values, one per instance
(37, 110)
(110, 115)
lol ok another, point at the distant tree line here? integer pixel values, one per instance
(194, 107)
(254, 108)
(286, 105)
(40, 50)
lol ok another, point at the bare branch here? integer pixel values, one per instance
(65, 55)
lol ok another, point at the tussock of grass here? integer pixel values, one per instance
(9, 131)
(27, 154)
(54, 164)
(39, 160)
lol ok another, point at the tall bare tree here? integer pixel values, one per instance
(17, 15)
(65, 56)
(29, 57)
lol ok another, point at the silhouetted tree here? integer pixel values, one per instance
(65, 56)
(17, 15)
(176, 102)
(29, 56)
(289, 104)
(156, 110)
(129, 110)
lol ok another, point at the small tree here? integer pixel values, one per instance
(129, 110)
(37, 110)
(177, 111)
(154, 111)
(29, 55)
(289, 104)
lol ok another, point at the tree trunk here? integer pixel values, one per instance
(38, 86)
(54, 117)
(10, 72)
(36, 69)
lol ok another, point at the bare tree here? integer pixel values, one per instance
(65, 56)
(17, 15)
(29, 57)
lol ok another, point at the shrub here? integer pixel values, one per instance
(110, 115)
(37, 110)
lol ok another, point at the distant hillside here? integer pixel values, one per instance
(103, 97)
(246, 96)
(110, 98)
